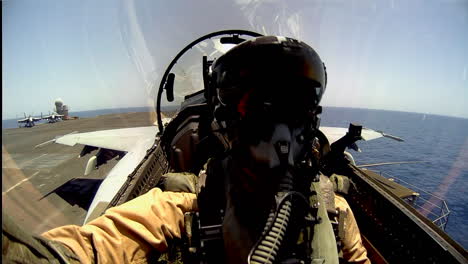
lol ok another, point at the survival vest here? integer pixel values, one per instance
(203, 242)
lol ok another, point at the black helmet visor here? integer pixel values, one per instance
(287, 100)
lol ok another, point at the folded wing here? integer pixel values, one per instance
(335, 133)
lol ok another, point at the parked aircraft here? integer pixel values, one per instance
(54, 117)
(29, 121)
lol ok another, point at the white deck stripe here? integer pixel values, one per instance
(53, 140)
(19, 183)
(44, 143)
(36, 158)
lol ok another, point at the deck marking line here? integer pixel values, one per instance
(44, 143)
(36, 158)
(53, 140)
(19, 183)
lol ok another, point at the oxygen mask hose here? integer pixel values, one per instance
(267, 247)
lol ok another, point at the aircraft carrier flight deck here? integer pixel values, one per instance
(38, 182)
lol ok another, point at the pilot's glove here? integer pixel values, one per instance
(178, 182)
(128, 233)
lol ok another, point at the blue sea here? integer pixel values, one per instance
(441, 141)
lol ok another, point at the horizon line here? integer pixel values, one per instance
(351, 107)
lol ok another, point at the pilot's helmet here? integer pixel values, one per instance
(284, 75)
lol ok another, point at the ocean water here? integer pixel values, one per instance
(439, 140)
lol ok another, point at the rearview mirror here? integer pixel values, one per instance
(231, 40)
(169, 87)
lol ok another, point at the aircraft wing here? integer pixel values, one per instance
(117, 139)
(335, 133)
(122, 139)
(134, 141)
(23, 120)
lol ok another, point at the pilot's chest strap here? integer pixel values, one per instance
(324, 245)
(207, 244)
(328, 187)
(204, 240)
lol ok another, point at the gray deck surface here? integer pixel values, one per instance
(30, 175)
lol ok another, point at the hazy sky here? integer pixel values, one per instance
(396, 55)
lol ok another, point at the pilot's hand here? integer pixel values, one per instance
(178, 182)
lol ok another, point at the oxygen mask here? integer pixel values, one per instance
(272, 167)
